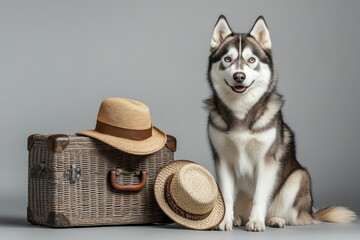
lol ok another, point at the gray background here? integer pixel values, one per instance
(60, 59)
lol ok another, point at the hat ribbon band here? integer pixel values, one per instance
(176, 208)
(123, 132)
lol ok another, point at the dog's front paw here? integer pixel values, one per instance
(255, 226)
(226, 224)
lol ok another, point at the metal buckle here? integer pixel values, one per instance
(40, 171)
(72, 174)
(120, 171)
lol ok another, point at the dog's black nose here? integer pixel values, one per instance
(239, 77)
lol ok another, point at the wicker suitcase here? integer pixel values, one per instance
(79, 181)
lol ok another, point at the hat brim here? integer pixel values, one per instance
(210, 222)
(143, 147)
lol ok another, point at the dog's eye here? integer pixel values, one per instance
(251, 60)
(227, 59)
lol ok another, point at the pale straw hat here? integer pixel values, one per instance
(188, 194)
(126, 124)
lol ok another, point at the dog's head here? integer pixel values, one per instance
(240, 64)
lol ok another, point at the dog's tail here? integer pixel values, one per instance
(335, 214)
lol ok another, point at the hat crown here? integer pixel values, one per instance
(194, 189)
(124, 113)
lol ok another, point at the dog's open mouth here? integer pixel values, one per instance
(239, 88)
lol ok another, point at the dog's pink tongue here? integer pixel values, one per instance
(239, 88)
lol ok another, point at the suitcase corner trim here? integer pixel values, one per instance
(171, 143)
(57, 142)
(30, 141)
(58, 220)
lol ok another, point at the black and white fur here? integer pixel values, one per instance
(254, 150)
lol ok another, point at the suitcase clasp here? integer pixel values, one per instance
(72, 174)
(40, 171)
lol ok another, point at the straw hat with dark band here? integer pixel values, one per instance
(187, 193)
(126, 124)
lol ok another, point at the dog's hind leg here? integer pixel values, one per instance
(292, 204)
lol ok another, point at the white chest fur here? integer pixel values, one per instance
(251, 149)
(242, 150)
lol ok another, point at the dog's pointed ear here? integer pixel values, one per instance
(261, 33)
(221, 31)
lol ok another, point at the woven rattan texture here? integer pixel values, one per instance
(91, 200)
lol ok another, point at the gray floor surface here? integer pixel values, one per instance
(13, 225)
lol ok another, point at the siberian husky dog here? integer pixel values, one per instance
(254, 150)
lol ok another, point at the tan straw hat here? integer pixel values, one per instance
(187, 193)
(126, 124)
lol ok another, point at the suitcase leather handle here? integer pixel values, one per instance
(129, 187)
